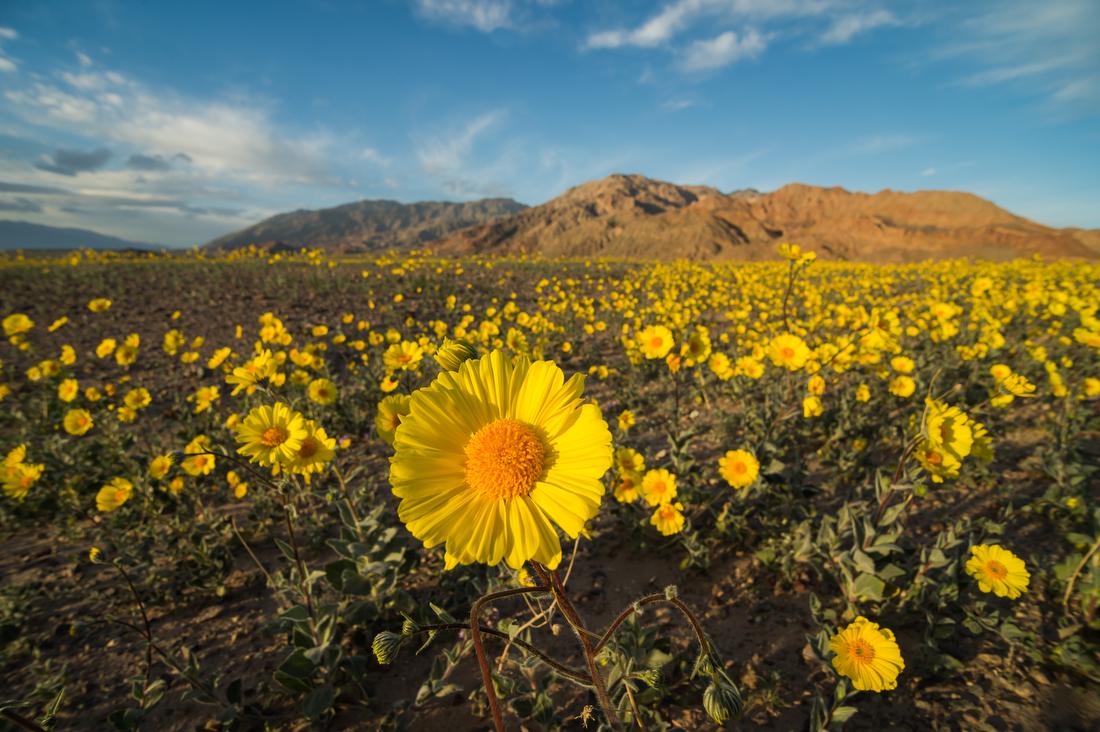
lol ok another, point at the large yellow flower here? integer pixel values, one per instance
(114, 494)
(271, 434)
(658, 487)
(655, 341)
(739, 468)
(788, 351)
(495, 454)
(867, 655)
(77, 421)
(997, 570)
(668, 518)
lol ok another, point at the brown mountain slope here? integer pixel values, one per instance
(634, 216)
(368, 225)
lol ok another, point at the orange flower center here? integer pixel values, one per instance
(656, 342)
(504, 459)
(740, 468)
(787, 352)
(996, 570)
(274, 436)
(309, 448)
(861, 651)
(933, 458)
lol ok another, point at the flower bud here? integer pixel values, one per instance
(385, 647)
(721, 701)
(453, 353)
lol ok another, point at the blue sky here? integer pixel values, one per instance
(177, 122)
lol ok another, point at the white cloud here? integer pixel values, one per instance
(1049, 48)
(83, 59)
(447, 157)
(927, 172)
(484, 15)
(7, 64)
(676, 105)
(723, 50)
(681, 15)
(847, 27)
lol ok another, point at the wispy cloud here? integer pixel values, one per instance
(846, 27)
(484, 15)
(72, 162)
(446, 156)
(722, 50)
(7, 64)
(1048, 47)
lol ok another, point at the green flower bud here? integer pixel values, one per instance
(409, 627)
(671, 592)
(385, 647)
(651, 677)
(453, 353)
(721, 701)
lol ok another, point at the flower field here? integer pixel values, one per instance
(404, 492)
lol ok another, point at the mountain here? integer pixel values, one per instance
(368, 225)
(25, 235)
(635, 216)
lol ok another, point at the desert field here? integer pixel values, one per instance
(255, 491)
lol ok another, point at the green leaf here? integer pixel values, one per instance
(842, 714)
(868, 587)
(318, 703)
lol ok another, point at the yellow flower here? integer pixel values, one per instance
(999, 371)
(138, 398)
(628, 460)
(77, 421)
(391, 410)
(17, 324)
(668, 518)
(788, 351)
(902, 364)
(126, 354)
(405, 355)
(246, 377)
(67, 390)
(658, 487)
(626, 420)
(812, 407)
(492, 456)
(59, 323)
(271, 434)
(816, 385)
(16, 476)
(626, 488)
(655, 341)
(997, 570)
(863, 393)
(453, 353)
(114, 494)
(175, 486)
(317, 448)
(902, 386)
(218, 357)
(204, 398)
(322, 391)
(68, 355)
(105, 348)
(388, 384)
(159, 466)
(739, 468)
(194, 463)
(789, 251)
(173, 341)
(99, 305)
(867, 655)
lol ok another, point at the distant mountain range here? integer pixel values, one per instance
(25, 235)
(368, 225)
(634, 216)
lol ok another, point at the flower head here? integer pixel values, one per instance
(271, 434)
(492, 456)
(867, 655)
(114, 494)
(739, 468)
(668, 518)
(997, 570)
(658, 487)
(77, 421)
